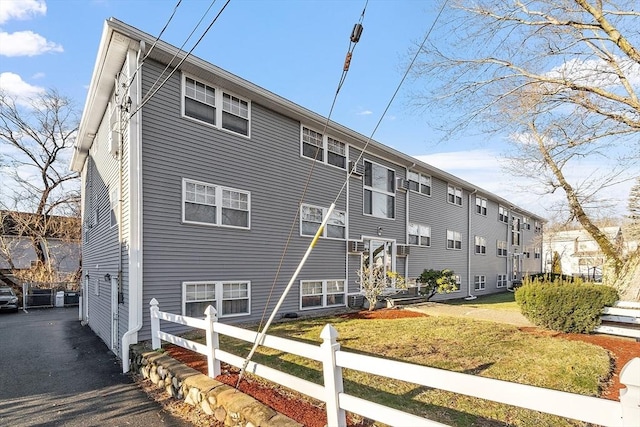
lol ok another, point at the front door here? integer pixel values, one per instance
(379, 253)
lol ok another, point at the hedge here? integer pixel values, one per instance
(569, 308)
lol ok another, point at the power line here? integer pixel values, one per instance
(180, 49)
(364, 149)
(181, 61)
(175, 8)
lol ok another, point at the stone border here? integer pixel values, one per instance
(225, 403)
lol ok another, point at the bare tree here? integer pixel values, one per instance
(36, 142)
(561, 78)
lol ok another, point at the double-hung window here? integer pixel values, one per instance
(454, 239)
(458, 280)
(419, 234)
(515, 231)
(454, 195)
(502, 281)
(481, 206)
(323, 148)
(211, 204)
(526, 223)
(311, 218)
(228, 298)
(502, 247)
(321, 293)
(481, 245)
(216, 107)
(419, 183)
(480, 282)
(538, 227)
(537, 252)
(503, 214)
(379, 190)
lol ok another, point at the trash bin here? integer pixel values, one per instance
(60, 299)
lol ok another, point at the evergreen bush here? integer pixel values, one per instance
(569, 308)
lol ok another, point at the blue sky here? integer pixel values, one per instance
(295, 49)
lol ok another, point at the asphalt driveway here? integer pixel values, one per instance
(56, 372)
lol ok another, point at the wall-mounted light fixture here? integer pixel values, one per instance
(379, 231)
(107, 277)
(86, 276)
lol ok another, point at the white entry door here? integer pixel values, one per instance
(380, 254)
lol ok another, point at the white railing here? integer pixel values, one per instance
(625, 315)
(594, 410)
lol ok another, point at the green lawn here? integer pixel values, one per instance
(501, 301)
(461, 345)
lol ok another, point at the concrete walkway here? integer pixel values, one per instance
(470, 312)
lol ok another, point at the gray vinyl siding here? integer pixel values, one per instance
(100, 253)
(268, 165)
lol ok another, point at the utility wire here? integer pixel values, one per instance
(180, 49)
(181, 61)
(175, 8)
(260, 336)
(364, 149)
(355, 37)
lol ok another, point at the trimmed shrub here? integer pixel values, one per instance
(569, 308)
(559, 279)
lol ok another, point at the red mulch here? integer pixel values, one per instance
(305, 412)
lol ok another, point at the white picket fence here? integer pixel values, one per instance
(626, 318)
(594, 410)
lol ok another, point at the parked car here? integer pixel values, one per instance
(8, 299)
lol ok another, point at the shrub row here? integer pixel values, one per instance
(569, 308)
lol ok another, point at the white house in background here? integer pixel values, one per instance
(579, 253)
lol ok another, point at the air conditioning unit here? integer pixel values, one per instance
(355, 246)
(403, 250)
(356, 169)
(402, 184)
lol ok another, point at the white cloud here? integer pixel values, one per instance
(26, 43)
(13, 85)
(596, 72)
(21, 9)
(37, 76)
(483, 168)
(365, 113)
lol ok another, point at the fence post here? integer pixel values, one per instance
(213, 364)
(630, 396)
(155, 324)
(333, 384)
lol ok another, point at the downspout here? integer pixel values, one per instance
(135, 213)
(470, 296)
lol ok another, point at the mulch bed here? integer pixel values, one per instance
(313, 415)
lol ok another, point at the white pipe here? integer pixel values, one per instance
(135, 226)
(260, 337)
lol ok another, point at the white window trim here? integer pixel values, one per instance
(454, 240)
(505, 249)
(420, 184)
(218, 106)
(458, 280)
(421, 228)
(324, 231)
(324, 148)
(480, 282)
(482, 205)
(114, 196)
(501, 283)
(218, 205)
(325, 294)
(377, 190)
(482, 242)
(219, 286)
(503, 214)
(456, 190)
